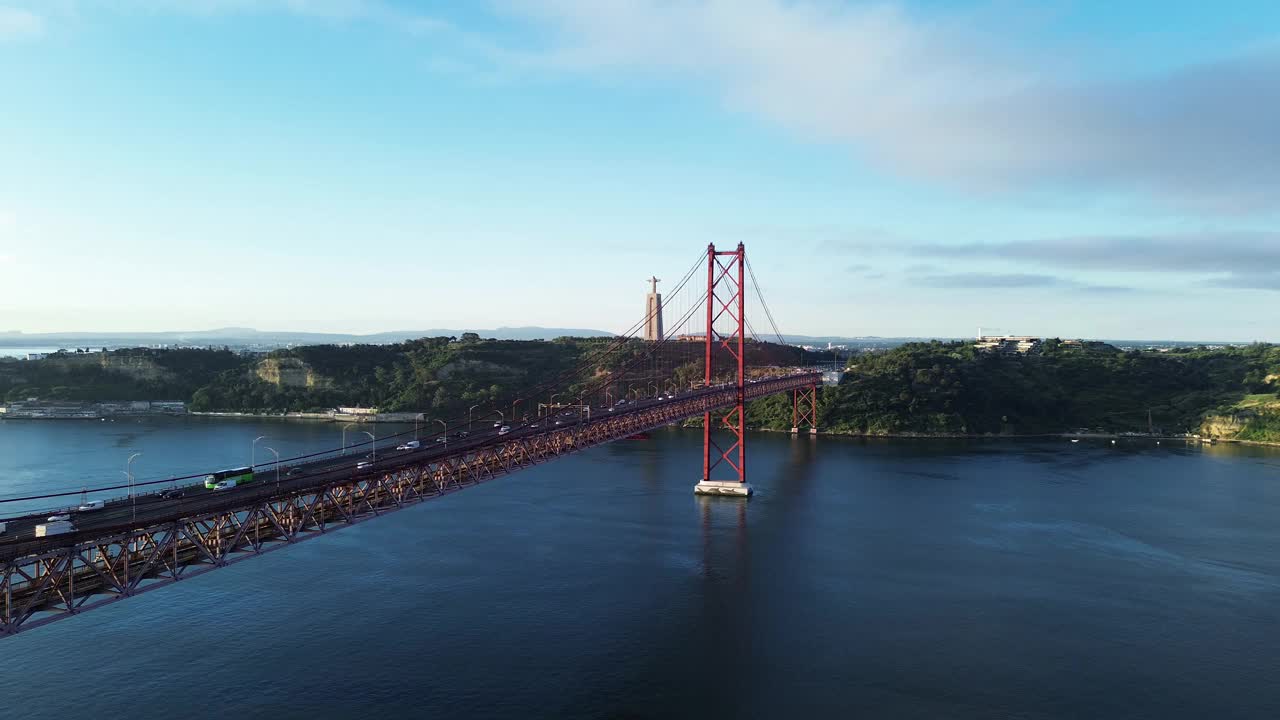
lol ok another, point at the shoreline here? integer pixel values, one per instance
(1193, 439)
(402, 418)
(313, 416)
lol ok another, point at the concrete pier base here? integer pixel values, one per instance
(722, 487)
(797, 431)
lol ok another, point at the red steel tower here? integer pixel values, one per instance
(804, 409)
(726, 307)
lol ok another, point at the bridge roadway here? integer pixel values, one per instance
(151, 509)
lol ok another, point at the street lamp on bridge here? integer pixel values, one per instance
(445, 432)
(344, 437)
(469, 411)
(273, 452)
(375, 443)
(253, 452)
(128, 471)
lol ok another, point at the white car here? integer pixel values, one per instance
(60, 518)
(363, 464)
(504, 430)
(92, 505)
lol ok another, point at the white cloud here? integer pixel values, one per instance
(939, 99)
(16, 23)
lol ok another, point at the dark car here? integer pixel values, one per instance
(172, 494)
(294, 471)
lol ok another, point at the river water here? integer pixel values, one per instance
(900, 579)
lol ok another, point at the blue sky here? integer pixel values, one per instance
(1090, 169)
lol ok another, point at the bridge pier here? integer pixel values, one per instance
(722, 487)
(797, 431)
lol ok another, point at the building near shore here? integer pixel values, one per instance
(1007, 344)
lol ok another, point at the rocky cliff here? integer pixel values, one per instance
(290, 372)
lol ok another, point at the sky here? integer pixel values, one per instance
(915, 168)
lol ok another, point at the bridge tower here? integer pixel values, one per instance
(804, 410)
(726, 304)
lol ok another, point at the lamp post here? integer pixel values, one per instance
(253, 452)
(513, 411)
(654, 385)
(469, 411)
(445, 432)
(128, 471)
(344, 437)
(375, 443)
(416, 419)
(273, 452)
(608, 398)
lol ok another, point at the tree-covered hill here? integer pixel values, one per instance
(919, 388)
(949, 388)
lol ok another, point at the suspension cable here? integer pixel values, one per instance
(601, 354)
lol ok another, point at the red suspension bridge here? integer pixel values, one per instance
(156, 539)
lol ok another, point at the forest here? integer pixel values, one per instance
(933, 388)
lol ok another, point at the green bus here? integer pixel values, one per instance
(239, 475)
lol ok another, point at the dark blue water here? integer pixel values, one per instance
(866, 579)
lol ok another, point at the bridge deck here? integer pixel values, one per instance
(112, 555)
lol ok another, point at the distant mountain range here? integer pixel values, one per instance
(251, 337)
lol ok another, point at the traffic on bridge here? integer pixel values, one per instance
(61, 563)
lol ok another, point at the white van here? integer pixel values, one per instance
(92, 505)
(3, 527)
(411, 445)
(225, 485)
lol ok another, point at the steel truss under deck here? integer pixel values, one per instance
(51, 579)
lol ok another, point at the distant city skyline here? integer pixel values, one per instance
(913, 168)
